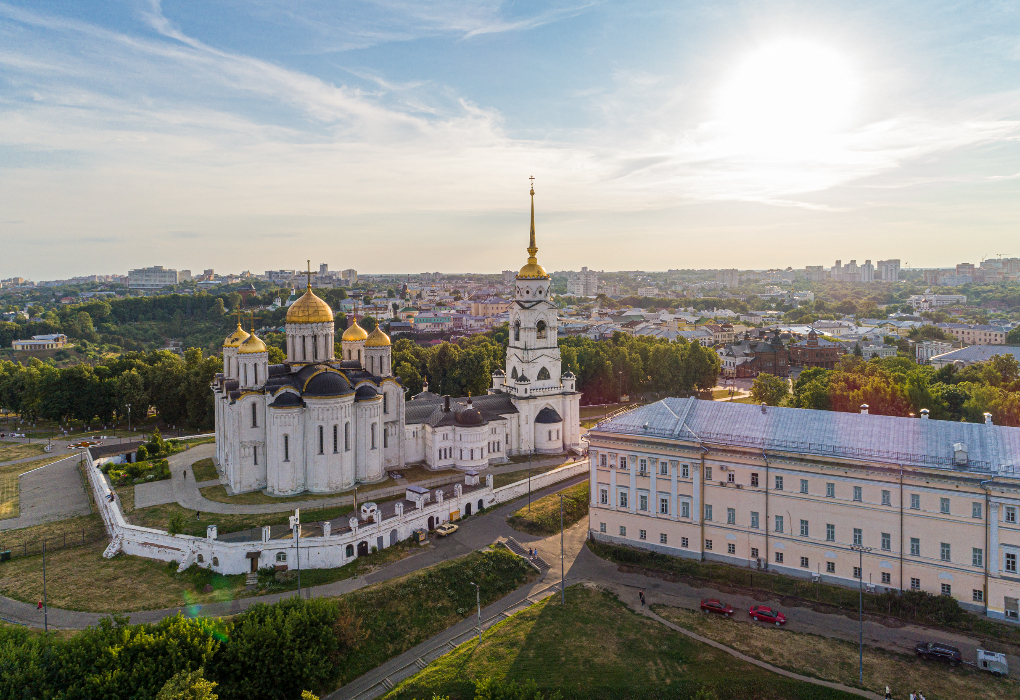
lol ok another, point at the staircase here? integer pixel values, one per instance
(114, 548)
(252, 580)
(537, 562)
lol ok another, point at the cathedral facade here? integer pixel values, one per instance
(323, 424)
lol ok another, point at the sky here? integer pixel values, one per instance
(400, 135)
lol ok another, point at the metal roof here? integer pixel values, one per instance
(869, 438)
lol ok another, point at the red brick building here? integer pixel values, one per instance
(815, 352)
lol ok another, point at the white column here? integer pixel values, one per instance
(593, 477)
(674, 503)
(696, 506)
(653, 494)
(632, 467)
(612, 488)
(993, 539)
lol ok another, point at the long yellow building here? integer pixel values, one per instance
(794, 490)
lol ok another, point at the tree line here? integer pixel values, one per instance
(896, 386)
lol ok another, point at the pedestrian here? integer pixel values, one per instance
(913, 696)
(40, 605)
(185, 473)
(888, 694)
(198, 515)
(920, 696)
(641, 594)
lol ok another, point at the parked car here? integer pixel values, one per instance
(939, 652)
(716, 606)
(767, 614)
(446, 529)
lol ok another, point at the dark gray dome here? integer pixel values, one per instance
(286, 399)
(327, 384)
(499, 373)
(365, 392)
(469, 416)
(548, 415)
(568, 375)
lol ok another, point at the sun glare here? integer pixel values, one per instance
(792, 98)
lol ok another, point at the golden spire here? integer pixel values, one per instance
(532, 249)
(309, 273)
(532, 270)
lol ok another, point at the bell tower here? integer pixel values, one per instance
(533, 355)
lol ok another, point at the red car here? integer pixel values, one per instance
(767, 614)
(716, 606)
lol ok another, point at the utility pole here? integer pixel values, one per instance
(529, 479)
(478, 599)
(46, 607)
(860, 549)
(297, 541)
(563, 590)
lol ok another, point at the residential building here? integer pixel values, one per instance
(721, 332)
(490, 307)
(972, 354)
(816, 352)
(888, 270)
(815, 273)
(756, 355)
(41, 342)
(156, 277)
(834, 328)
(648, 291)
(728, 278)
(610, 290)
(937, 502)
(349, 276)
(584, 283)
(428, 323)
(869, 347)
(974, 334)
(927, 349)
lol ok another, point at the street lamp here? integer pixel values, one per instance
(478, 599)
(129, 419)
(861, 549)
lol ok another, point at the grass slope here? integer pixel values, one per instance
(203, 470)
(596, 648)
(544, 517)
(837, 661)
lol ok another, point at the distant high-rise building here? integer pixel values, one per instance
(728, 278)
(350, 276)
(155, 277)
(889, 270)
(584, 283)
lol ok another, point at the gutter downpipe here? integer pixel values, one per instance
(987, 523)
(766, 458)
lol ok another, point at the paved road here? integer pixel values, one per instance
(477, 532)
(51, 492)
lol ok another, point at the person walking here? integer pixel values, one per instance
(641, 594)
(888, 693)
(39, 607)
(913, 696)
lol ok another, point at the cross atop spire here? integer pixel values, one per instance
(532, 248)
(310, 273)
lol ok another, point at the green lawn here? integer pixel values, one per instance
(595, 648)
(400, 614)
(203, 470)
(543, 519)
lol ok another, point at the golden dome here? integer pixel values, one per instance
(378, 339)
(252, 345)
(532, 271)
(354, 334)
(235, 339)
(309, 309)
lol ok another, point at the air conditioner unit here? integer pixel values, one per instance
(724, 468)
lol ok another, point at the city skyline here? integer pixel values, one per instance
(400, 137)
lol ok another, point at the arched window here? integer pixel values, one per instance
(540, 329)
(373, 436)
(350, 550)
(281, 557)
(254, 416)
(304, 349)
(200, 559)
(246, 374)
(255, 367)
(517, 329)
(215, 561)
(513, 374)
(543, 373)
(385, 403)
(255, 456)
(347, 436)
(320, 440)
(315, 348)
(286, 448)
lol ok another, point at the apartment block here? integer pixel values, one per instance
(793, 490)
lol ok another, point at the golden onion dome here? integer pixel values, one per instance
(532, 271)
(235, 339)
(378, 339)
(252, 345)
(309, 309)
(354, 334)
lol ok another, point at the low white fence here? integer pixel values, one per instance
(520, 488)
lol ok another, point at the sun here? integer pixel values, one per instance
(790, 97)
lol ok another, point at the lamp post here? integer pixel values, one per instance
(46, 607)
(563, 590)
(297, 546)
(529, 477)
(860, 549)
(129, 419)
(478, 599)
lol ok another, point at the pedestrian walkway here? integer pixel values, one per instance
(51, 492)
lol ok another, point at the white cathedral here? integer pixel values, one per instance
(322, 424)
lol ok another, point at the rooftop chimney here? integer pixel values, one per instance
(924, 413)
(446, 407)
(864, 409)
(763, 407)
(988, 419)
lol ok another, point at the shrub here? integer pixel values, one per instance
(142, 454)
(175, 525)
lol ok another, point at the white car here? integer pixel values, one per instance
(446, 529)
